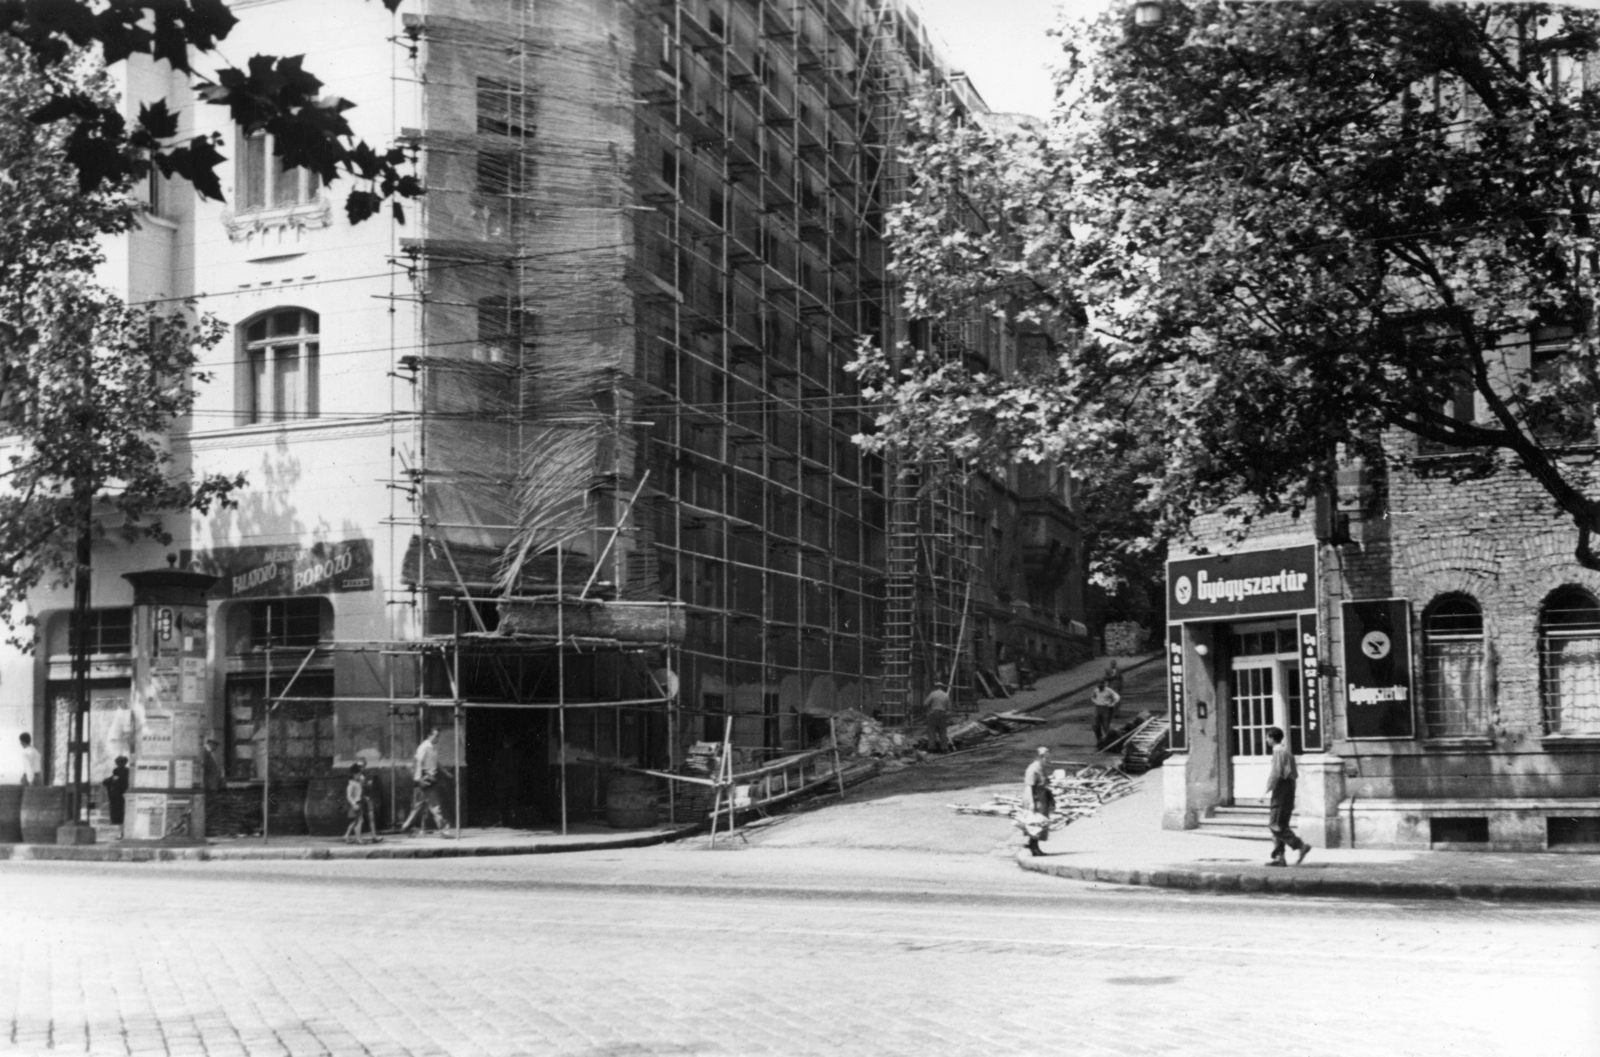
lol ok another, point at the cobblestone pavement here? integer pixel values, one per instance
(467, 958)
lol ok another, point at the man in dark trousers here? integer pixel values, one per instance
(1036, 783)
(1280, 789)
(938, 718)
(116, 784)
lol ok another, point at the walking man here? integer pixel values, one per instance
(938, 718)
(1105, 712)
(425, 773)
(1036, 785)
(1280, 789)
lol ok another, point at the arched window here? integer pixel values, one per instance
(280, 357)
(1453, 698)
(1569, 662)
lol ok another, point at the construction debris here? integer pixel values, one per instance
(1077, 795)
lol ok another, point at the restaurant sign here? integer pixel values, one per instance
(276, 572)
(1283, 580)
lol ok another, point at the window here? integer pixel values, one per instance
(110, 631)
(504, 109)
(1553, 413)
(285, 623)
(504, 329)
(1569, 662)
(1453, 698)
(155, 196)
(264, 182)
(281, 360)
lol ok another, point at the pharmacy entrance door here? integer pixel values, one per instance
(1264, 691)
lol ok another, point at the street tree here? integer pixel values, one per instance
(1268, 233)
(270, 94)
(88, 383)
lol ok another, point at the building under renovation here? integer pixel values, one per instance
(561, 463)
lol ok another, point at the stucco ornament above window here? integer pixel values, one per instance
(271, 224)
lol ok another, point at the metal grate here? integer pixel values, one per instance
(1569, 663)
(1454, 702)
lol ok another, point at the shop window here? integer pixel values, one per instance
(1569, 662)
(299, 741)
(264, 181)
(1453, 698)
(285, 623)
(280, 359)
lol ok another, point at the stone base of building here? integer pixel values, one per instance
(1503, 824)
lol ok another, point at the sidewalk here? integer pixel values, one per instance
(472, 842)
(1125, 844)
(1057, 686)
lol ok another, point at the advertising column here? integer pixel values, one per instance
(170, 710)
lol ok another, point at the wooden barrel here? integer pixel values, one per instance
(631, 801)
(286, 808)
(325, 806)
(10, 814)
(44, 810)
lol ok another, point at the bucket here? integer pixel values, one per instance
(11, 814)
(631, 801)
(44, 810)
(325, 806)
(286, 808)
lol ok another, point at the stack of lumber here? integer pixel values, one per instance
(1078, 795)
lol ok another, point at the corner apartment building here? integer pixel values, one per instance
(1432, 651)
(599, 368)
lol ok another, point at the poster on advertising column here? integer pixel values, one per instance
(1377, 669)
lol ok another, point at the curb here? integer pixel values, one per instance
(70, 853)
(1306, 884)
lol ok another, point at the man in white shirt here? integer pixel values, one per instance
(425, 792)
(1105, 711)
(937, 704)
(32, 765)
(1281, 778)
(1036, 784)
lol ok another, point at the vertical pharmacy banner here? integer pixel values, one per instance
(1312, 710)
(1178, 726)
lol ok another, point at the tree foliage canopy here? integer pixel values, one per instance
(1269, 231)
(88, 384)
(271, 94)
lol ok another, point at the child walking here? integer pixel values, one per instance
(355, 796)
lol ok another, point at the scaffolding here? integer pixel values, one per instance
(652, 240)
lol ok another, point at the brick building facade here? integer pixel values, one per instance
(1439, 676)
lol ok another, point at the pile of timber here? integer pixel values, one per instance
(1078, 795)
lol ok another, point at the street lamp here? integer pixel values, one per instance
(1149, 13)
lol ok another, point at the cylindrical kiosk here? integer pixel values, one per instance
(171, 714)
